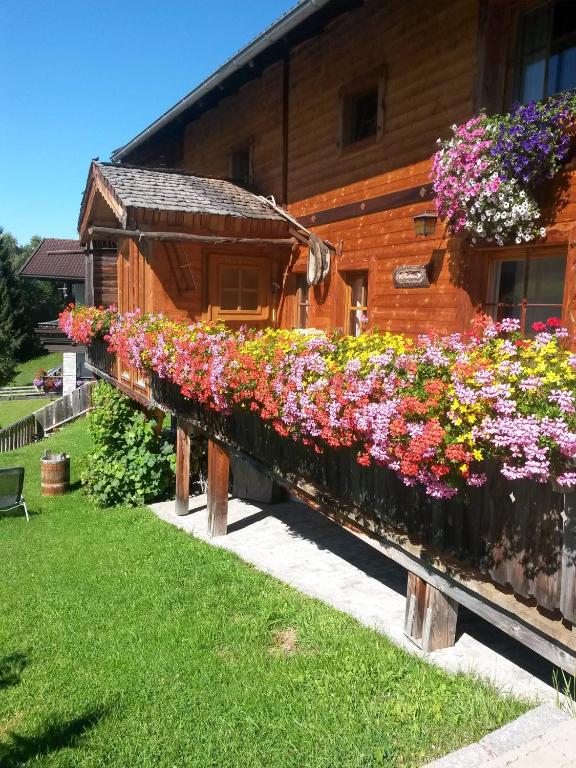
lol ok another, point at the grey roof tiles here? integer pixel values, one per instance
(167, 190)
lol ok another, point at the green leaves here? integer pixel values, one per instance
(130, 463)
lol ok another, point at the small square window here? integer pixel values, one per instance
(360, 118)
(239, 289)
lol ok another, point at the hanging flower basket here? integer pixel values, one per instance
(486, 177)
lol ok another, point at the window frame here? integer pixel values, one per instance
(349, 95)
(246, 147)
(491, 306)
(299, 303)
(349, 276)
(215, 263)
(549, 6)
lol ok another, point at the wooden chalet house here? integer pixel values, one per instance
(318, 137)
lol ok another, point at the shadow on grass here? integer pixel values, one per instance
(11, 668)
(18, 750)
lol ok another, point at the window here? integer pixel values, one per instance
(238, 288)
(546, 51)
(357, 284)
(241, 166)
(530, 288)
(302, 302)
(361, 117)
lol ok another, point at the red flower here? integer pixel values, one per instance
(553, 322)
(538, 327)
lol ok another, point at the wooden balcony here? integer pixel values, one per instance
(507, 551)
(104, 365)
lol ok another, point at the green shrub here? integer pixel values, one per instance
(130, 462)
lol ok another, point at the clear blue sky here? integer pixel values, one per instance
(79, 78)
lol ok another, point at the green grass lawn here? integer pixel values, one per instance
(12, 410)
(126, 642)
(25, 371)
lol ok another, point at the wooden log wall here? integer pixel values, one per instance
(251, 118)
(437, 68)
(105, 279)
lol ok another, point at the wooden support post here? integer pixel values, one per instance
(568, 578)
(218, 471)
(439, 628)
(415, 607)
(430, 615)
(182, 468)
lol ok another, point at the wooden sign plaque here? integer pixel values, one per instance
(411, 276)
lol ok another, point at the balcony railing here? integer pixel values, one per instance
(98, 357)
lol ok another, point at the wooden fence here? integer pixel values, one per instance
(66, 408)
(23, 432)
(20, 393)
(56, 413)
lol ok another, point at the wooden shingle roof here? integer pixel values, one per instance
(165, 190)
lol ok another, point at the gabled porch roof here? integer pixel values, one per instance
(115, 194)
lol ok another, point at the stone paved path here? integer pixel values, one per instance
(545, 737)
(302, 548)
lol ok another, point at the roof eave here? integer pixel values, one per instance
(285, 24)
(56, 278)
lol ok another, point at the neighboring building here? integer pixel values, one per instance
(59, 261)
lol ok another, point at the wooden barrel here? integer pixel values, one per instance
(55, 473)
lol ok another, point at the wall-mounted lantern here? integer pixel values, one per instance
(425, 224)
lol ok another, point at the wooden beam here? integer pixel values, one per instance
(370, 205)
(439, 627)
(136, 234)
(182, 468)
(218, 471)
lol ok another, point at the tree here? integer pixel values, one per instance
(16, 320)
(42, 297)
(7, 361)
